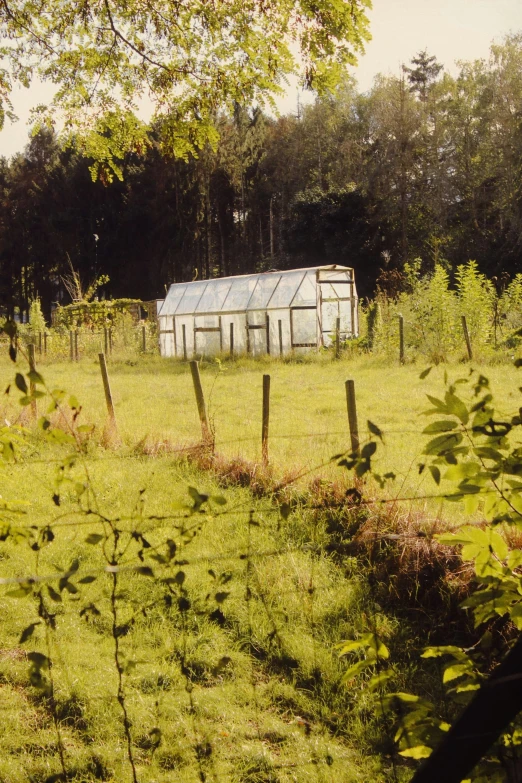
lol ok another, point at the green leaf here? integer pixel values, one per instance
(425, 373)
(462, 471)
(438, 404)
(438, 652)
(443, 443)
(35, 377)
(347, 647)
(220, 597)
(456, 670)
(456, 406)
(418, 752)
(355, 670)
(380, 680)
(86, 580)
(444, 425)
(514, 559)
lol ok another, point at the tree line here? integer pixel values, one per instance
(425, 165)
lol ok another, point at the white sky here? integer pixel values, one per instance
(450, 29)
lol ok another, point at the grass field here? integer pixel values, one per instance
(240, 681)
(155, 405)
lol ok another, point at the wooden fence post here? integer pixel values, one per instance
(200, 399)
(266, 419)
(268, 334)
(184, 335)
(144, 339)
(71, 345)
(40, 343)
(280, 329)
(45, 343)
(466, 337)
(107, 390)
(337, 337)
(352, 415)
(106, 341)
(401, 339)
(110, 340)
(32, 385)
(231, 338)
(76, 354)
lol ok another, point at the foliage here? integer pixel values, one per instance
(190, 60)
(477, 451)
(432, 312)
(370, 180)
(96, 314)
(36, 318)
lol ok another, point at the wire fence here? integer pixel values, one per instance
(193, 636)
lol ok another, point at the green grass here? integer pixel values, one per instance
(263, 676)
(245, 686)
(155, 402)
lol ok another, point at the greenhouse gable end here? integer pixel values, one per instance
(268, 312)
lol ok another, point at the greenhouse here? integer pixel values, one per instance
(268, 312)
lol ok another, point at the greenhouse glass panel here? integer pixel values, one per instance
(166, 335)
(337, 288)
(286, 290)
(266, 285)
(188, 323)
(345, 314)
(304, 327)
(206, 321)
(214, 296)
(284, 345)
(207, 343)
(173, 299)
(307, 291)
(240, 293)
(192, 296)
(238, 333)
(329, 315)
(257, 332)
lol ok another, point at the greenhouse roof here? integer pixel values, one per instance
(261, 291)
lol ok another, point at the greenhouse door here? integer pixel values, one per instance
(303, 326)
(336, 302)
(329, 315)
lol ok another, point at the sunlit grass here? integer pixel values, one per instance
(276, 715)
(275, 711)
(154, 401)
